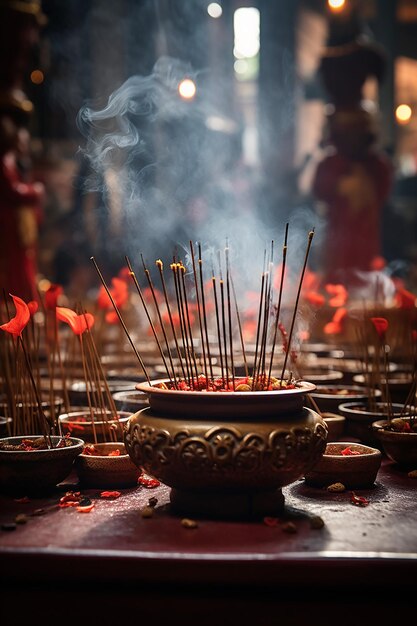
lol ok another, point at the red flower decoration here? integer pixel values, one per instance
(19, 321)
(112, 317)
(33, 307)
(335, 327)
(314, 298)
(51, 296)
(339, 295)
(380, 325)
(119, 293)
(405, 299)
(77, 323)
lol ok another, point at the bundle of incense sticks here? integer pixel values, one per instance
(183, 293)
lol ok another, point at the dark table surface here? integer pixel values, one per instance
(363, 557)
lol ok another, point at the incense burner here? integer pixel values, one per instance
(226, 454)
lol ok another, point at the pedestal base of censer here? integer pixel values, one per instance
(227, 505)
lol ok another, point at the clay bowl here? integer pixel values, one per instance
(101, 471)
(353, 471)
(360, 417)
(130, 401)
(21, 410)
(319, 376)
(400, 447)
(79, 422)
(39, 471)
(335, 426)
(77, 391)
(329, 397)
(399, 384)
(226, 454)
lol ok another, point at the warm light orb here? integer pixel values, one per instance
(214, 10)
(187, 89)
(336, 5)
(37, 77)
(403, 113)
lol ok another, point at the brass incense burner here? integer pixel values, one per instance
(226, 454)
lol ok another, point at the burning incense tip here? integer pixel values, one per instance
(159, 263)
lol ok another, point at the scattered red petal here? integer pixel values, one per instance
(110, 494)
(114, 453)
(271, 521)
(148, 481)
(85, 509)
(349, 452)
(358, 500)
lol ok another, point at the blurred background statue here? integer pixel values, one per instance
(354, 179)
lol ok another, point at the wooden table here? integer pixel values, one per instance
(361, 566)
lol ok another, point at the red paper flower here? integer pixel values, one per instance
(339, 295)
(33, 307)
(77, 323)
(380, 325)
(314, 298)
(404, 299)
(112, 317)
(119, 292)
(51, 296)
(335, 327)
(19, 321)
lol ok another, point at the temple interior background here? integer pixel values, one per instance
(236, 156)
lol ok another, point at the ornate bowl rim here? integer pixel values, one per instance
(302, 387)
(77, 445)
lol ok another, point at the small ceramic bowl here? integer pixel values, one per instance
(360, 417)
(329, 397)
(354, 471)
(400, 447)
(131, 401)
(79, 422)
(102, 471)
(36, 472)
(335, 426)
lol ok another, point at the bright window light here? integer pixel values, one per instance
(246, 27)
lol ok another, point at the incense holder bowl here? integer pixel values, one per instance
(35, 472)
(353, 464)
(102, 470)
(226, 454)
(360, 416)
(103, 427)
(399, 446)
(329, 397)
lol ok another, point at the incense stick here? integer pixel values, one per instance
(200, 320)
(203, 303)
(160, 266)
(121, 320)
(278, 311)
(310, 239)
